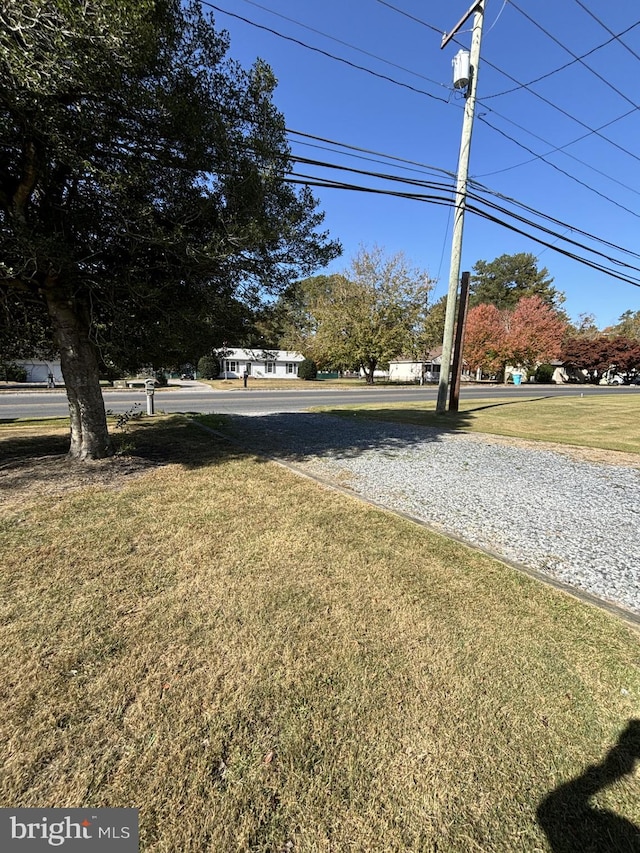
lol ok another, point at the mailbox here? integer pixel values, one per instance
(150, 387)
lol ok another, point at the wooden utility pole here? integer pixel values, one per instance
(461, 196)
(456, 369)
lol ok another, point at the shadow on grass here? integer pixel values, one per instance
(446, 422)
(510, 403)
(573, 825)
(290, 436)
(37, 463)
(33, 446)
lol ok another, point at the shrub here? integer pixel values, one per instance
(544, 373)
(11, 372)
(307, 369)
(209, 367)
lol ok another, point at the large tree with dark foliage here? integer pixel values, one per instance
(506, 280)
(143, 186)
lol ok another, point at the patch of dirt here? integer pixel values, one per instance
(54, 476)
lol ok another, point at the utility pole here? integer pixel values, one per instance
(456, 369)
(461, 195)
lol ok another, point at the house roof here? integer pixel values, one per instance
(260, 354)
(433, 355)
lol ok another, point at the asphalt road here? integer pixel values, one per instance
(194, 397)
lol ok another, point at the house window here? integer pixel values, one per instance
(292, 368)
(232, 367)
(270, 366)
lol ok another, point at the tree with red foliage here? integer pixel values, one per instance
(534, 333)
(599, 354)
(530, 333)
(485, 339)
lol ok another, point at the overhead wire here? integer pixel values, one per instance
(436, 199)
(420, 91)
(571, 53)
(346, 44)
(425, 168)
(607, 29)
(557, 169)
(439, 186)
(326, 53)
(358, 148)
(525, 86)
(314, 181)
(577, 59)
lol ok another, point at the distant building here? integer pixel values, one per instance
(39, 370)
(259, 363)
(410, 370)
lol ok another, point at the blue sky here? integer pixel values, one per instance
(592, 183)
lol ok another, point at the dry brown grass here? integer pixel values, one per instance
(282, 384)
(259, 664)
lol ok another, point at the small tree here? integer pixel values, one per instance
(544, 373)
(209, 367)
(307, 369)
(485, 339)
(534, 332)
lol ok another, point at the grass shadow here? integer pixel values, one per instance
(508, 403)
(36, 463)
(33, 446)
(573, 825)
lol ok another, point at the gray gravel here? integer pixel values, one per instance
(576, 521)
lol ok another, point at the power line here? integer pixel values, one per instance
(383, 2)
(326, 53)
(427, 168)
(571, 53)
(577, 59)
(375, 153)
(420, 91)
(563, 111)
(346, 44)
(525, 86)
(559, 169)
(561, 148)
(606, 28)
(411, 17)
(313, 181)
(440, 186)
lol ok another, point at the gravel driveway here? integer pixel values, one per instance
(575, 520)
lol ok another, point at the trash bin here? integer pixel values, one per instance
(517, 378)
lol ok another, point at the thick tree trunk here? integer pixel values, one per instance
(89, 433)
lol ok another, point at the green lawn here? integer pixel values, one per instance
(260, 664)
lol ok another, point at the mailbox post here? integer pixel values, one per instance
(149, 387)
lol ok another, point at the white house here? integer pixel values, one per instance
(259, 363)
(410, 370)
(39, 370)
